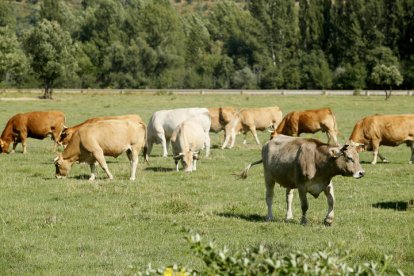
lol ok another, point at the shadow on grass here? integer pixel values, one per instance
(396, 205)
(252, 217)
(159, 169)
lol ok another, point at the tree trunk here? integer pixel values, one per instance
(48, 91)
(388, 93)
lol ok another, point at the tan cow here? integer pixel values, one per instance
(387, 130)
(36, 124)
(67, 133)
(92, 142)
(309, 121)
(252, 119)
(220, 117)
(307, 165)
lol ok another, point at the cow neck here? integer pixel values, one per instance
(7, 134)
(324, 162)
(72, 151)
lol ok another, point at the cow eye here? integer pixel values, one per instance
(349, 158)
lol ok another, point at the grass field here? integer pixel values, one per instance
(73, 226)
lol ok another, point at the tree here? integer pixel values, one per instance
(386, 76)
(13, 62)
(51, 53)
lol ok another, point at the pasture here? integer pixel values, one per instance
(74, 226)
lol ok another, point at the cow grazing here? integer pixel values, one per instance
(252, 119)
(309, 121)
(387, 130)
(188, 139)
(163, 123)
(307, 165)
(220, 117)
(67, 133)
(37, 124)
(92, 142)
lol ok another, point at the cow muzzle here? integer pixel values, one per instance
(359, 174)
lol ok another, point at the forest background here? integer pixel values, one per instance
(261, 44)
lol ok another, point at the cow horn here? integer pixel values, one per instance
(178, 156)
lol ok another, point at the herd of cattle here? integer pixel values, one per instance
(295, 163)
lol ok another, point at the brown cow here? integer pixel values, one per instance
(37, 124)
(67, 133)
(309, 121)
(388, 130)
(92, 142)
(252, 119)
(307, 165)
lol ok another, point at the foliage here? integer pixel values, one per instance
(386, 76)
(13, 62)
(51, 52)
(260, 260)
(211, 44)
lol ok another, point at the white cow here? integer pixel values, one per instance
(189, 138)
(163, 123)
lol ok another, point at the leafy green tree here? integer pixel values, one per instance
(311, 24)
(315, 71)
(51, 53)
(50, 10)
(350, 76)
(387, 77)
(13, 62)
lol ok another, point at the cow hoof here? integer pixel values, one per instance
(328, 222)
(385, 161)
(304, 221)
(373, 163)
(270, 219)
(132, 178)
(410, 162)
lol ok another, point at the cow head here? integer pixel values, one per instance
(4, 146)
(187, 159)
(64, 137)
(62, 167)
(347, 160)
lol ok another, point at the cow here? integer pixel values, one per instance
(36, 124)
(67, 133)
(309, 121)
(188, 139)
(252, 119)
(387, 130)
(92, 142)
(220, 117)
(307, 165)
(163, 123)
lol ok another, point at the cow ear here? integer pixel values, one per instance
(335, 152)
(195, 155)
(344, 148)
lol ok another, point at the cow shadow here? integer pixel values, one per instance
(395, 205)
(251, 218)
(159, 169)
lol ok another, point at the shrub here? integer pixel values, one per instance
(260, 261)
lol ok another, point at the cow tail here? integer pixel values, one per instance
(243, 174)
(336, 125)
(145, 149)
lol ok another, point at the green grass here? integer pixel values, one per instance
(73, 226)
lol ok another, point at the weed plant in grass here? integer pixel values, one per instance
(73, 226)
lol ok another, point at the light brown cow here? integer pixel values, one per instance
(92, 142)
(252, 119)
(36, 124)
(67, 133)
(387, 130)
(307, 165)
(309, 121)
(220, 117)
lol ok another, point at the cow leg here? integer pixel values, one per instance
(164, 146)
(329, 193)
(289, 199)
(24, 145)
(375, 147)
(332, 138)
(207, 144)
(194, 164)
(412, 153)
(101, 160)
(303, 204)
(233, 138)
(133, 160)
(253, 130)
(270, 186)
(382, 157)
(176, 164)
(227, 137)
(93, 171)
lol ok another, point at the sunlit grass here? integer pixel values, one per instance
(73, 226)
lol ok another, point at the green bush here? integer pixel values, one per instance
(261, 261)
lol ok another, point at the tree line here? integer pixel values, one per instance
(261, 44)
